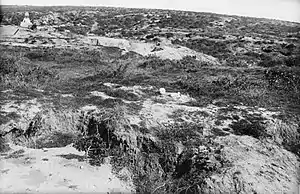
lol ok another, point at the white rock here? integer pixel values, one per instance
(162, 91)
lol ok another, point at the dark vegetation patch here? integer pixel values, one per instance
(5, 171)
(54, 140)
(284, 78)
(294, 148)
(219, 132)
(134, 107)
(6, 117)
(72, 156)
(16, 154)
(264, 87)
(289, 133)
(98, 137)
(67, 56)
(16, 71)
(4, 147)
(157, 166)
(218, 49)
(252, 128)
(164, 170)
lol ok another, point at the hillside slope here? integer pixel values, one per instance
(148, 101)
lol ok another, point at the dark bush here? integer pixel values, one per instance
(4, 147)
(251, 128)
(155, 63)
(189, 63)
(42, 55)
(7, 65)
(217, 49)
(282, 77)
(122, 94)
(270, 62)
(293, 61)
(169, 35)
(20, 72)
(190, 168)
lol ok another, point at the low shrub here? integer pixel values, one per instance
(155, 63)
(293, 61)
(190, 64)
(4, 147)
(98, 137)
(20, 72)
(270, 62)
(252, 128)
(187, 170)
(40, 55)
(282, 77)
(287, 134)
(7, 64)
(157, 166)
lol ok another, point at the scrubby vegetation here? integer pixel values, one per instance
(158, 166)
(3, 145)
(17, 71)
(259, 67)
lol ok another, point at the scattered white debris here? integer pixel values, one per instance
(39, 90)
(102, 95)
(173, 97)
(89, 108)
(137, 90)
(67, 95)
(6, 91)
(111, 85)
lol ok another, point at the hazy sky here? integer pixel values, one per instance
(278, 9)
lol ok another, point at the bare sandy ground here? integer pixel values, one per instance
(55, 170)
(62, 39)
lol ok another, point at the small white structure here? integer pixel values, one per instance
(94, 27)
(26, 23)
(162, 91)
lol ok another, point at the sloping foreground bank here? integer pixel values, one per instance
(248, 155)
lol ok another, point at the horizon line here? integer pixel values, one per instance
(170, 9)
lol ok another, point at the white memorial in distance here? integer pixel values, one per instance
(26, 23)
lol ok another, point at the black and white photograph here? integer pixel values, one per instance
(150, 97)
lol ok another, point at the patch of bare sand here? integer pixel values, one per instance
(60, 40)
(166, 51)
(56, 170)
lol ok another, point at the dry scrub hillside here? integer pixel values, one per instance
(148, 101)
